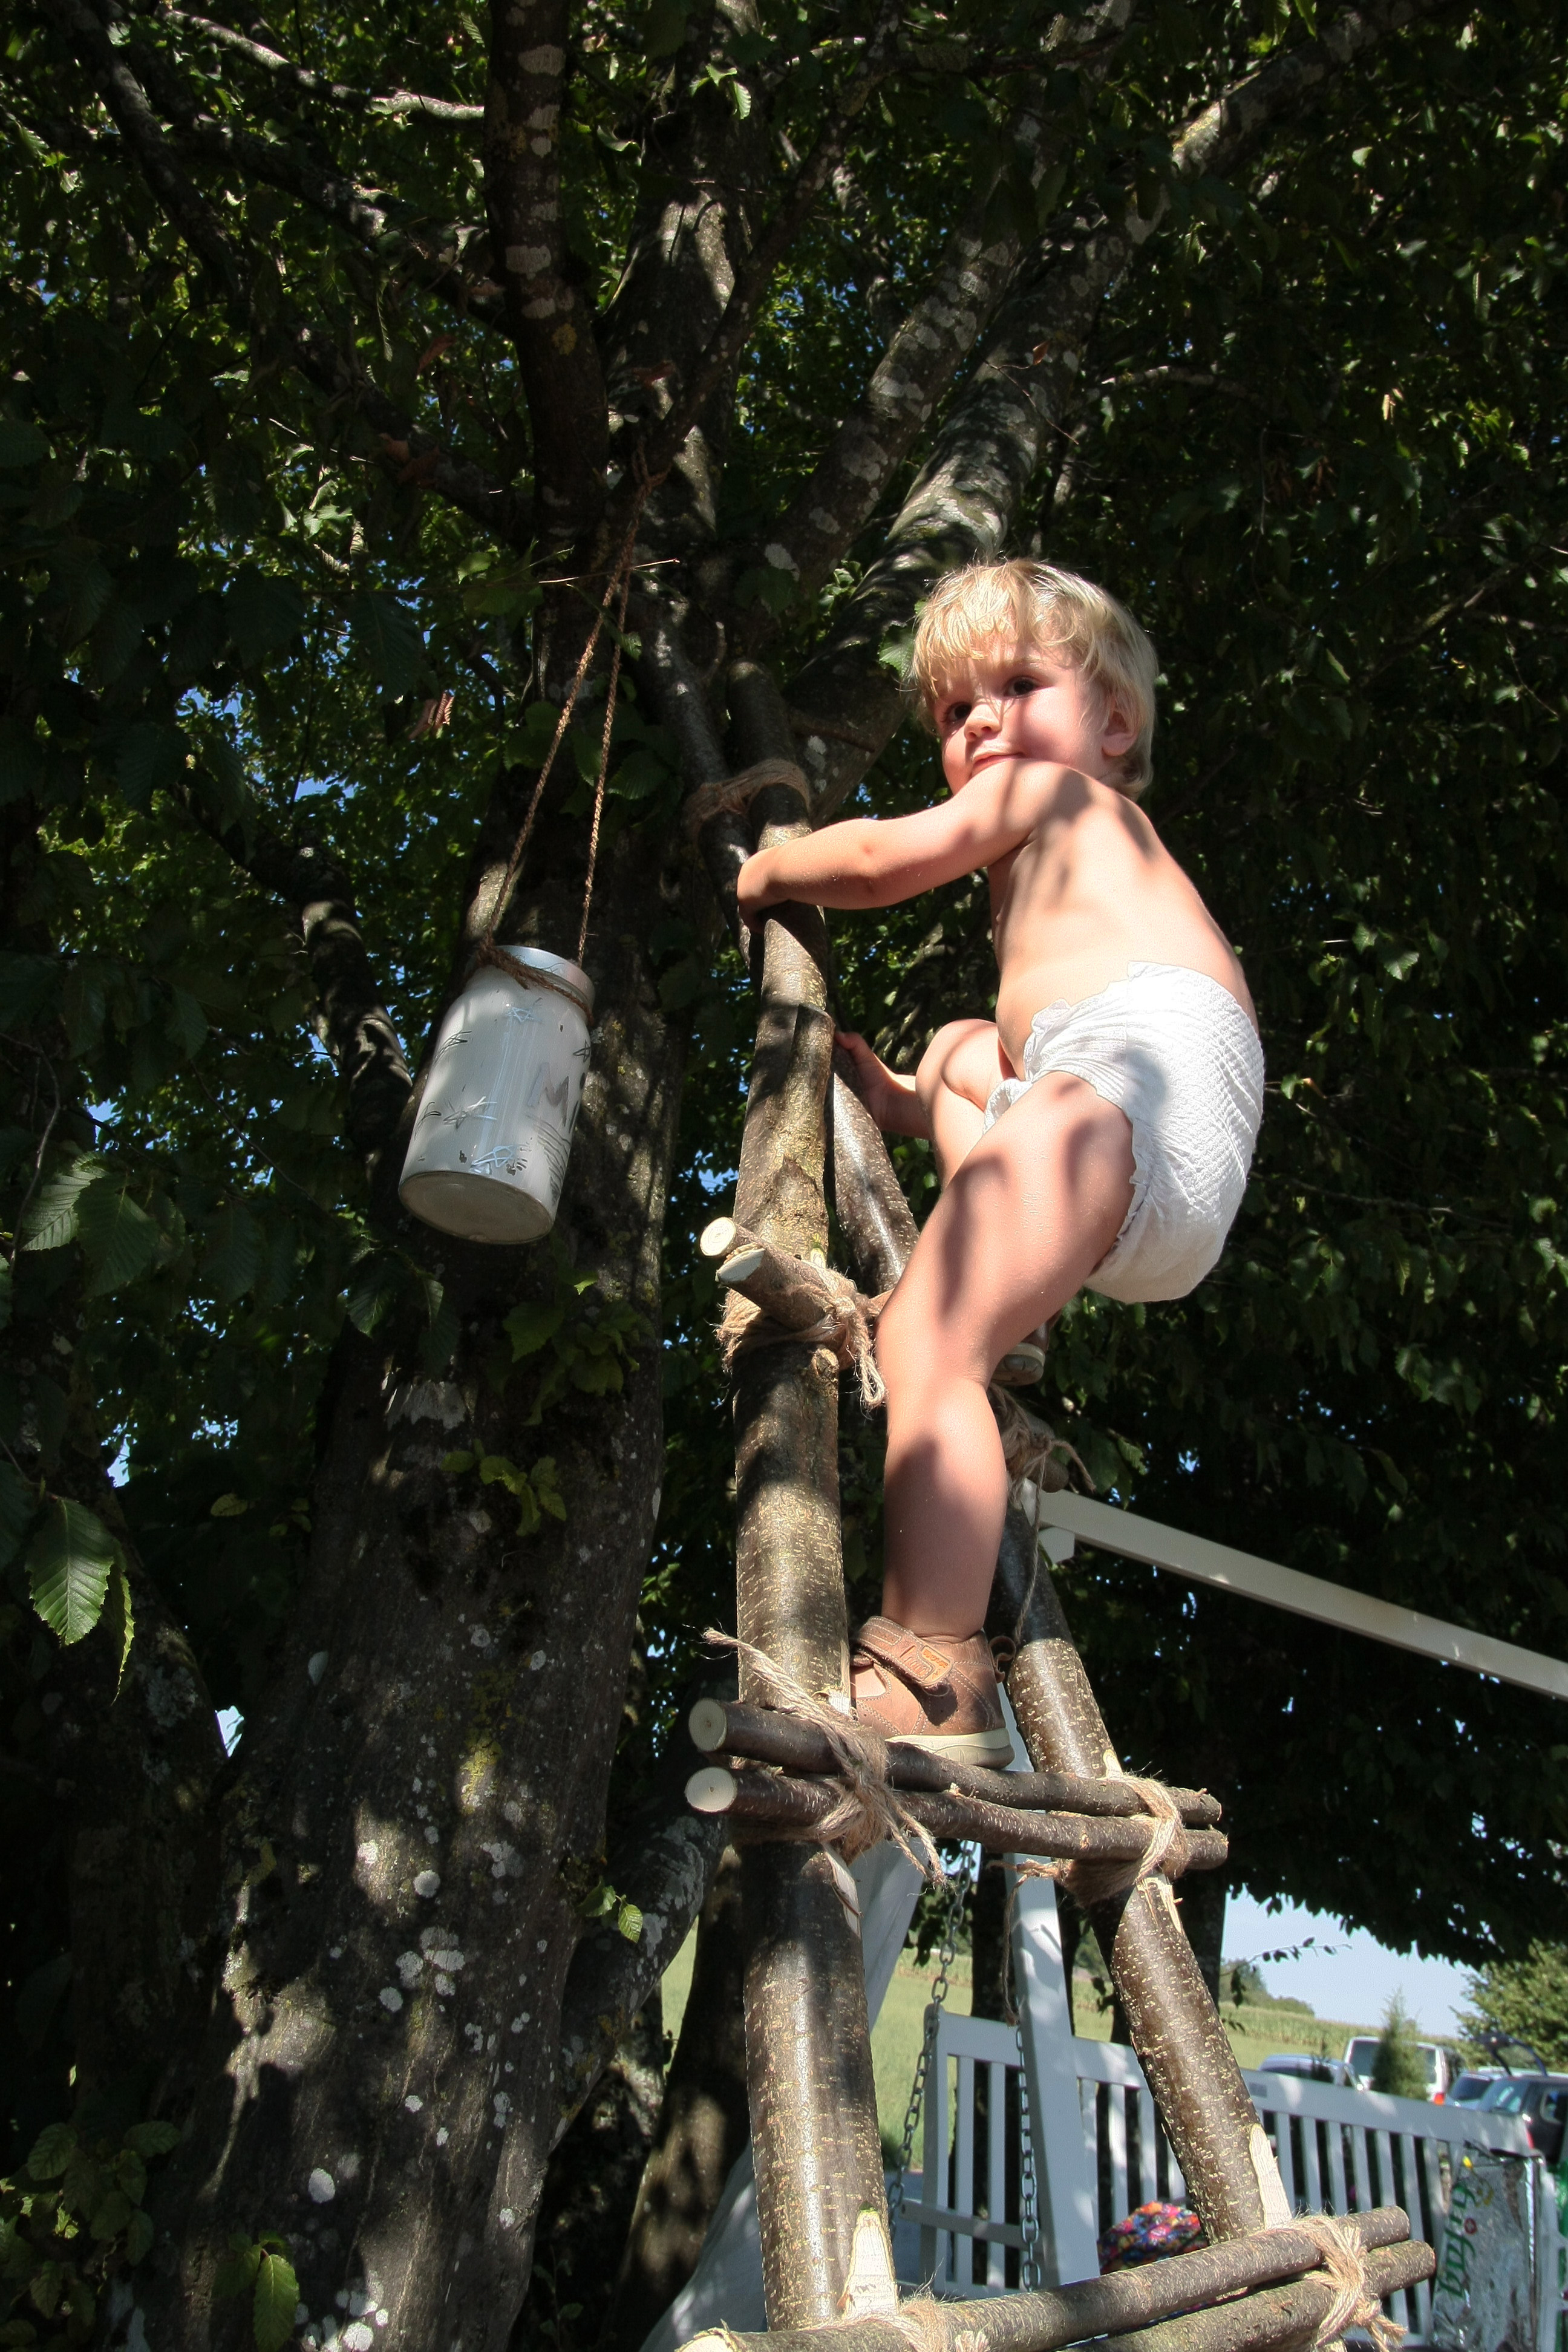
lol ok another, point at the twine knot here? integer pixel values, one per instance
(731, 794)
(1033, 1452)
(869, 1808)
(844, 1326)
(1355, 2305)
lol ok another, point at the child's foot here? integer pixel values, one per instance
(930, 1690)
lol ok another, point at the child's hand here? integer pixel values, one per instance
(890, 1100)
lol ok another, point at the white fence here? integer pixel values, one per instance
(1339, 2151)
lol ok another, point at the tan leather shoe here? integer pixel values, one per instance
(932, 1691)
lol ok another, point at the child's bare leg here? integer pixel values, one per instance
(1027, 1215)
(960, 1071)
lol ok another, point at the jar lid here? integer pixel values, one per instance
(566, 975)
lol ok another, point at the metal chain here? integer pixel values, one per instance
(1030, 2272)
(958, 1886)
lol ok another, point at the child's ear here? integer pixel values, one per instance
(1119, 731)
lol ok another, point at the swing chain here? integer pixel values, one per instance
(959, 1882)
(1030, 2272)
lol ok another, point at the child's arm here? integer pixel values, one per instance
(890, 1100)
(864, 863)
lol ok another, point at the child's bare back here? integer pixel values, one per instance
(1124, 1055)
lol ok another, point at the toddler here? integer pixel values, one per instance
(1098, 1132)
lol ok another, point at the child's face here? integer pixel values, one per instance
(1015, 702)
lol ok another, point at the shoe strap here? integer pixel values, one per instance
(924, 1665)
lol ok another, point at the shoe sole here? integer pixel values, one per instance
(993, 1749)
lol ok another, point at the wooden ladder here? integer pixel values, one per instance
(821, 2197)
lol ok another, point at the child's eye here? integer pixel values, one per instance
(956, 713)
(1023, 684)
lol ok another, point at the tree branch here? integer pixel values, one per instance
(919, 363)
(984, 455)
(353, 1022)
(463, 484)
(790, 216)
(551, 325)
(315, 85)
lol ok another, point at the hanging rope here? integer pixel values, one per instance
(619, 585)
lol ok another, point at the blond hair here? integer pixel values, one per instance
(1036, 605)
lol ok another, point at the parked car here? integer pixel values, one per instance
(1468, 2089)
(1541, 2101)
(1303, 2063)
(1361, 2056)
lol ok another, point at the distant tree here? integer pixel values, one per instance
(1528, 1997)
(1398, 2066)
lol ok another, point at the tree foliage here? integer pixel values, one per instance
(1527, 1997)
(328, 397)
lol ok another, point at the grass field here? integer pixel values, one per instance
(1255, 2033)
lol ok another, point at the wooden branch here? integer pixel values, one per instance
(1049, 2318)
(551, 325)
(352, 1021)
(867, 1195)
(781, 1801)
(127, 103)
(317, 358)
(315, 85)
(1232, 2179)
(610, 1979)
(795, 208)
(789, 1290)
(769, 1737)
(964, 499)
(917, 367)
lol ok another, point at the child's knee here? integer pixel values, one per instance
(961, 1056)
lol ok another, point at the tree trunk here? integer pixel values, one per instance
(702, 2129)
(417, 1827)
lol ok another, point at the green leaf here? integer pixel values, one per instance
(20, 443)
(112, 2215)
(234, 1259)
(531, 1326)
(121, 1621)
(29, 985)
(138, 2237)
(228, 1506)
(457, 1463)
(21, 762)
(186, 1023)
(664, 26)
(69, 1564)
(262, 613)
(372, 1288)
(236, 2270)
(545, 1488)
(18, 1501)
(131, 2172)
(277, 2300)
(51, 2151)
(152, 2138)
(436, 1347)
(149, 756)
(119, 1238)
(629, 1919)
(387, 635)
(51, 1218)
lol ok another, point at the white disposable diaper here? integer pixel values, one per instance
(1174, 1051)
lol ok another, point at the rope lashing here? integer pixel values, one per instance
(1167, 1852)
(869, 1808)
(733, 794)
(618, 585)
(1355, 2305)
(845, 1328)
